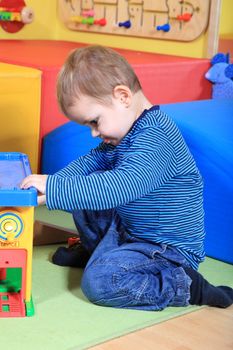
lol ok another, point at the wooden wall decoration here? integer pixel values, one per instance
(178, 20)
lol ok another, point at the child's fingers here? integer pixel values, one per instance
(26, 182)
(29, 181)
(37, 181)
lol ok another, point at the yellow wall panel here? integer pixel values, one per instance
(226, 18)
(47, 26)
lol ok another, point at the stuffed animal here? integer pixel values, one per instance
(221, 74)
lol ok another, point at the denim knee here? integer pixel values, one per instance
(96, 283)
(145, 284)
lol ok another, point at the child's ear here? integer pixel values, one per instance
(123, 94)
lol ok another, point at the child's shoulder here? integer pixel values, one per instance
(154, 117)
(155, 123)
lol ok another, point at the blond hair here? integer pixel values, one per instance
(93, 71)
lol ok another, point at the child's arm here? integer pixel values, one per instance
(85, 165)
(145, 166)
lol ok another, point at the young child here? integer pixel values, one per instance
(137, 199)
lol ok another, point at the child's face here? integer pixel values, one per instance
(109, 122)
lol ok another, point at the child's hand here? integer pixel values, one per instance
(41, 199)
(37, 181)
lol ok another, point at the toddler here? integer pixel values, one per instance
(137, 199)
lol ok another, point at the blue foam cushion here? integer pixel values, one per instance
(207, 127)
(64, 144)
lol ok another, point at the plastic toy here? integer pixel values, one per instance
(185, 17)
(221, 74)
(88, 20)
(16, 236)
(126, 24)
(88, 13)
(165, 27)
(14, 15)
(101, 22)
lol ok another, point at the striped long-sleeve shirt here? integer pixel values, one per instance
(150, 178)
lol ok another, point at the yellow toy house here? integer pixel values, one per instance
(16, 236)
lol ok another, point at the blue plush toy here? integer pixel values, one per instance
(221, 74)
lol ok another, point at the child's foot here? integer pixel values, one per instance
(75, 255)
(204, 293)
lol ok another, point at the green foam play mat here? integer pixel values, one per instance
(65, 320)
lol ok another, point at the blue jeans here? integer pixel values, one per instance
(127, 272)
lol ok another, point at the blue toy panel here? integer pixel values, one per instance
(207, 127)
(64, 144)
(14, 167)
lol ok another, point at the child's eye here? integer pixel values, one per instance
(94, 122)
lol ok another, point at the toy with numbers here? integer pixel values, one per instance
(16, 236)
(181, 20)
(14, 15)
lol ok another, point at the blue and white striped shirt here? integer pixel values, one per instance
(150, 178)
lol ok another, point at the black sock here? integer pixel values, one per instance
(74, 256)
(204, 293)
